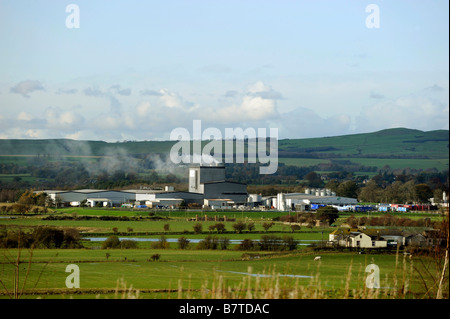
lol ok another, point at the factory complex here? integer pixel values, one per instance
(208, 188)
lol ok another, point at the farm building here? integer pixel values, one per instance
(348, 237)
(362, 240)
(418, 240)
(383, 237)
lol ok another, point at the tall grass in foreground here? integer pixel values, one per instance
(403, 284)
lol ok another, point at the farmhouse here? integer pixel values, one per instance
(361, 240)
(380, 238)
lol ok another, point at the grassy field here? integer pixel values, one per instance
(439, 163)
(194, 273)
(199, 270)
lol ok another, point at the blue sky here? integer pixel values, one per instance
(135, 70)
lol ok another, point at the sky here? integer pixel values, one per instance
(136, 70)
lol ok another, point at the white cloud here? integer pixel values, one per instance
(304, 123)
(258, 103)
(24, 116)
(251, 109)
(63, 120)
(170, 99)
(143, 109)
(33, 134)
(409, 111)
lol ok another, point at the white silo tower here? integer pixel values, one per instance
(281, 202)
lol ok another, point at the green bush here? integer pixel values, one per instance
(160, 244)
(224, 242)
(48, 237)
(210, 242)
(183, 243)
(128, 244)
(111, 242)
(198, 228)
(246, 244)
(239, 227)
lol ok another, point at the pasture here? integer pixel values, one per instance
(194, 272)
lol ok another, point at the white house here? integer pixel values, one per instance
(361, 240)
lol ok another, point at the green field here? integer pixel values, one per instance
(194, 273)
(198, 270)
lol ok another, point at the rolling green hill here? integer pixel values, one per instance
(398, 148)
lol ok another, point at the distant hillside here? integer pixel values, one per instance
(390, 143)
(398, 147)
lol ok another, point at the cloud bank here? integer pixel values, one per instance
(115, 112)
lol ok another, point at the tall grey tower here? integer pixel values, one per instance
(198, 175)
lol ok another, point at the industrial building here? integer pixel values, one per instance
(207, 188)
(206, 184)
(92, 196)
(300, 201)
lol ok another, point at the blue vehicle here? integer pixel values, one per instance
(363, 208)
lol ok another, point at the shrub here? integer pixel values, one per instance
(209, 242)
(295, 227)
(128, 244)
(20, 208)
(246, 244)
(239, 227)
(220, 227)
(72, 239)
(269, 242)
(183, 243)
(224, 242)
(14, 239)
(166, 227)
(111, 242)
(251, 226)
(155, 257)
(198, 228)
(48, 237)
(327, 213)
(267, 225)
(160, 244)
(289, 243)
